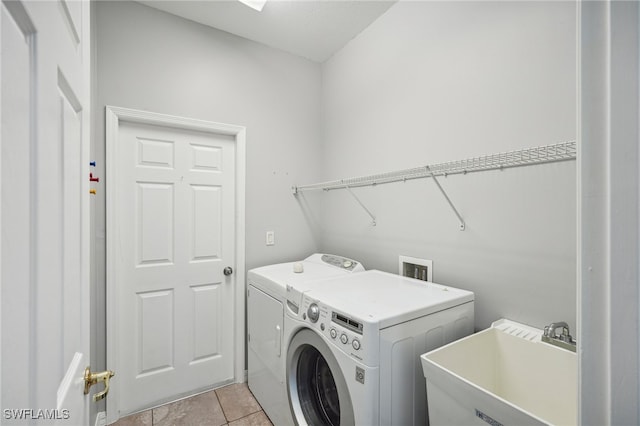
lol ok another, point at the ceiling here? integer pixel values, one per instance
(314, 29)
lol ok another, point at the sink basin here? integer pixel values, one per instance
(504, 375)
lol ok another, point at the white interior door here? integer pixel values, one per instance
(175, 230)
(44, 209)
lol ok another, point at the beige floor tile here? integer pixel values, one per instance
(255, 419)
(237, 401)
(203, 409)
(141, 419)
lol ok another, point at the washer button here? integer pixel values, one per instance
(333, 333)
(322, 326)
(355, 344)
(344, 339)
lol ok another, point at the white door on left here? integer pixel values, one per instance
(44, 211)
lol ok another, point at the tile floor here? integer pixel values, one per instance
(232, 405)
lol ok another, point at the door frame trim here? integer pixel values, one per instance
(114, 117)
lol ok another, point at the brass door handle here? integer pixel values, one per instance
(91, 379)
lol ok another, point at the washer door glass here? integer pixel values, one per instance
(317, 389)
(318, 392)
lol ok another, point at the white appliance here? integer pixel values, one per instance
(266, 295)
(354, 346)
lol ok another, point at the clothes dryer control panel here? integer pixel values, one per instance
(340, 262)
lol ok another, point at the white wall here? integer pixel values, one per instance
(436, 81)
(150, 60)
(425, 83)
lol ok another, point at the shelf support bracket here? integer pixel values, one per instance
(446, 197)
(373, 218)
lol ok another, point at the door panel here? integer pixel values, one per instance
(17, 120)
(207, 224)
(207, 308)
(175, 219)
(156, 332)
(72, 167)
(155, 230)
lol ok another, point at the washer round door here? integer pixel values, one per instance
(318, 393)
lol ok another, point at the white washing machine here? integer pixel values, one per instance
(266, 296)
(353, 348)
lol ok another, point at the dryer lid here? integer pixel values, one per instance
(273, 279)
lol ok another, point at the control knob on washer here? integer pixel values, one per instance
(313, 312)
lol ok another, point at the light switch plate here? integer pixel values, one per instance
(271, 238)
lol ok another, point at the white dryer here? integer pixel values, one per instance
(266, 296)
(353, 348)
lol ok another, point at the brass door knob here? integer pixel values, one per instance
(91, 379)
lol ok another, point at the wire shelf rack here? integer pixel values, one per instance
(563, 151)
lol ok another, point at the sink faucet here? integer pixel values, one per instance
(550, 331)
(563, 340)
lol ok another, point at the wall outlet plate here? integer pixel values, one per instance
(413, 267)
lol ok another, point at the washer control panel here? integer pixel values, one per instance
(343, 331)
(346, 322)
(313, 312)
(346, 339)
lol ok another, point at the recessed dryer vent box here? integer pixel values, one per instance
(413, 267)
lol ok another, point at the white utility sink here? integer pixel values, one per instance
(504, 375)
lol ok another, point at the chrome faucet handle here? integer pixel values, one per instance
(550, 330)
(565, 336)
(550, 336)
